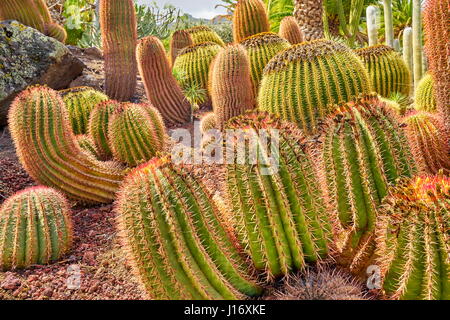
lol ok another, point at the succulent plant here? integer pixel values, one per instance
(250, 17)
(429, 141)
(176, 239)
(279, 207)
(119, 38)
(231, 85)
(290, 30)
(413, 240)
(437, 47)
(208, 122)
(202, 34)
(320, 73)
(425, 99)
(194, 62)
(87, 145)
(80, 102)
(48, 150)
(387, 69)
(35, 228)
(98, 127)
(161, 88)
(362, 151)
(56, 31)
(261, 48)
(372, 25)
(136, 133)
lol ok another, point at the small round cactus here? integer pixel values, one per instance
(413, 240)
(136, 133)
(208, 122)
(80, 102)
(35, 228)
(424, 99)
(291, 31)
(250, 17)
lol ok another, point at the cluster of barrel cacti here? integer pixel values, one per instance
(33, 13)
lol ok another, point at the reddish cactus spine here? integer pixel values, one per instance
(119, 37)
(250, 18)
(291, 31)
(162, 89)
(24, 11)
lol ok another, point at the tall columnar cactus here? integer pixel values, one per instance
(309, 14)
(261, 48)
(136, 133)
(437, 45)
(175, 237)
(161, 88)
(417, 40)
(290, 30)
(98, 127)
(250, 18)
(425, 99)
(231, 85)
(80, 102)
(278, 205)
(408, 49)
(429, 141)
(48, 150)
(388, 23)
(301, 83)
(35, 228)
(363, 151)
(194, 62)
(119, 38)
(413, 240)
(372, 25)
(388, 71)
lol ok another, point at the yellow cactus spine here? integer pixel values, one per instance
(250, 18)
(161, 88)
(425, 99)
(231, 86)
(119, 38)
(290, 30)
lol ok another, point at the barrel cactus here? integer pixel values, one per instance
(176, 239)
(424, 99)
(387, 69)
(136, 133)
(278, 205)
(429, 141)
(413, 240)
(302, 83)
(80, 102)
(362, 151)
(119, 38)
(290, 30)
(161, 88)
(208, 122)
(194, 62)
(48, 150)
(261, 48)
(35, 228)
(87, 145)
(56, 31)
(231, 86)
(250, 17)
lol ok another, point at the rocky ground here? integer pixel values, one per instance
(97, 260)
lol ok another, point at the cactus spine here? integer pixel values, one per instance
(387, 70)
(261, 48)
(161, 88)
(80, 102)
(290, 30)
(231, 86)
(413, 240)
(208, 122)
(119, 38)
(279, 208)
(309, 14)
(35, 228)
(424, 99)
(417, 41)
(136, 133)
(429, 142)
(388, 23)
(176, 239)
(47, 149)
(436, 17)
(56, 31)
(250, 18)
(194, 62)
(372, 25)
(87, 145)
(300, 83)
(408, 49)
(363, 150)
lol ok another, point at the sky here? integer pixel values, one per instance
(197, 8)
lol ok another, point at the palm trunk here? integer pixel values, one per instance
(309, 15)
